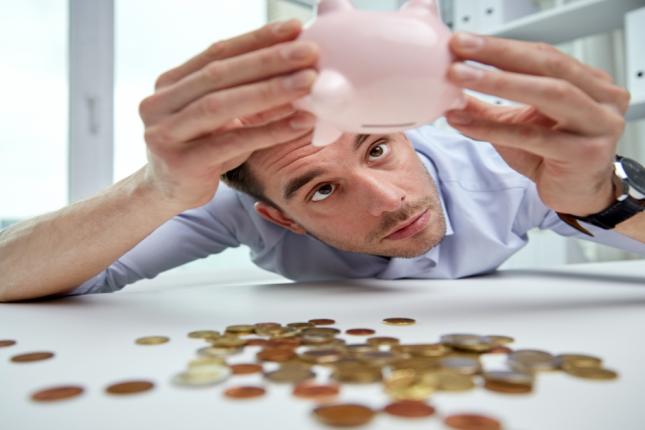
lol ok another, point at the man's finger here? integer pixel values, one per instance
(539, 59)
(547, 143)
(236, 143)
(560, 100)
(263, 37)
(211, 112)
(227, 73)
(268, 116)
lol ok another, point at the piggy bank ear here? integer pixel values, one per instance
(421, 7)
(329, 6)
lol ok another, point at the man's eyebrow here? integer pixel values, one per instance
(359, 140)
(300, 181)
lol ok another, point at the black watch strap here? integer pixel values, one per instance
(616, 213)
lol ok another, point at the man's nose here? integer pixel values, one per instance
(380, 194)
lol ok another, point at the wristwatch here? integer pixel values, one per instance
(629, 185)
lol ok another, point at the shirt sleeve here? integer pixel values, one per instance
(192, 235)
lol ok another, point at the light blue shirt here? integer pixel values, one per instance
(489, 209)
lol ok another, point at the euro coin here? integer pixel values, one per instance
(322, 321)
(244, 392)
(291, 374)
(54, 394)
(32, 356)
(129, 387)
(360, 332)
(596, 373)
(318, 392)
(383, 341)
(245, 368)
(409, 409)
(202, 376)
(7, 342)
(472, 422)
(344, 415)
(204, 334)
(152, 340)
(399, 321)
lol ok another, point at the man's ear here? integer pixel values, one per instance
(276, 216)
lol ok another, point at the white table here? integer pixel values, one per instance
(597, 309)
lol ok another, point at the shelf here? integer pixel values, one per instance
(636, 110)
(570, 21)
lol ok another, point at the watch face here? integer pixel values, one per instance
(635, 174)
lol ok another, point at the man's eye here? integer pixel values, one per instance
(379, 151)
(323, 192)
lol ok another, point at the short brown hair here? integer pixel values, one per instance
(241, 179)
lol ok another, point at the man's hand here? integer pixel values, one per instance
(209, 114)
(565, 134)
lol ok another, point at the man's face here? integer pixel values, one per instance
(364, 193)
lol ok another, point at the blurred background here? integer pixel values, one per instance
(74, 71)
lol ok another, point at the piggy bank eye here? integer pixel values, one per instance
(379, 150)
(323, 192)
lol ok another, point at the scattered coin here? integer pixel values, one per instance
(202, 376)
(409, 409)
(276, 354)
(499, 339)
(245, 368)
(300, 325)
(322, 321)
(204, 334)
(577, 360)
(152, 340)
(532, 360)
(54, 394)
(313, 391)
(472, 422)
(244, 392)
(360, 331)
(32, 356)
(596, 373)
(129, 387)
(344, 415)
(291, 374)
(383, 341)
(240, 329)
(399, 321)
(7, 342)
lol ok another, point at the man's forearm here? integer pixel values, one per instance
(633, 227)
(56, 252)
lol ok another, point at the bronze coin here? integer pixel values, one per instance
(410, 409)
(472, 422)
(508, 388)
(284, 342)
(129, 387)
(313, 391)
(399, 321)
(256, 342)
(7, 342)
(32, 356)
(383, 340)
(322, 321)
(344, 415)
(245, 368)
(53, 394)
(244, 392)
(278, 355)
(360, 331)
(267, 325)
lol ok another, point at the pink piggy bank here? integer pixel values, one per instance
(379, 72)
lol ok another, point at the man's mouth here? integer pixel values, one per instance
(410, 227)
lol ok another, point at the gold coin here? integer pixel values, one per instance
(204, 334)
(596, 373)
(276, 354)
(423, 349)
(300, 325)
(452, 381)
(351, 373)
(531, 360)
(344, 415)
(227, 341)
(216, 352)
(399, 321)
(577, 360)
(465, 366)
(322, 331)
(152, 340)
(240, 329)
(129, 387)
(32, 356)
(382, 341)
(410, 385)
(468, 342)
(57, 393)
(322, 356)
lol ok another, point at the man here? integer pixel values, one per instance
(421, 204)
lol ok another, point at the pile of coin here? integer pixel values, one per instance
(410, 374)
